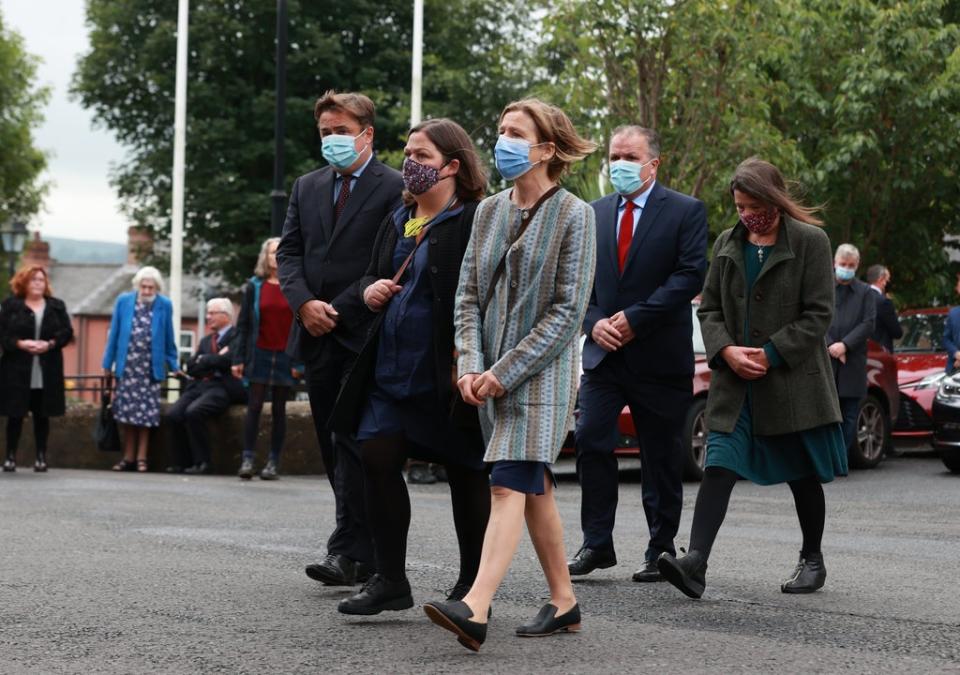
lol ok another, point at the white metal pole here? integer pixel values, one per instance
(179, 160)
(416, 95)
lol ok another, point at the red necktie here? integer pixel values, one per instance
(343, 196)
(626, 235)
(214, 343)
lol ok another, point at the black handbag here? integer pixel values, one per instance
(105, 433)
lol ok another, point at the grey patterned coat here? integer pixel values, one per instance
(529, 335)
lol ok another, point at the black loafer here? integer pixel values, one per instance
(648, 573)
(334, 570)
(588, 559)
(809, 575)
(688, 572)
(547, 622)
(455, 617)
(379, 594)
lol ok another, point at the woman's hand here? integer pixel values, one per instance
(378, 294)
(745, 361)
(465, 385)
(237, 370)
(296, 374)
(488, 386)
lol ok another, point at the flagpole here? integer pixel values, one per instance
(416, 112)
(179, 162)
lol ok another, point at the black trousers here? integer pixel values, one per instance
(658, 409)
(340, 452)
(189, 415)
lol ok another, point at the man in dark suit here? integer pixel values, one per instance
(651, 262)
(887, 328)
(210, 390)
(328, 237)
(853, 321)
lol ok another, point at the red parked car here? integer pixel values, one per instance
(877, 413)
(921, 362)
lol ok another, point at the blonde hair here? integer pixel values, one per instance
(148, 272)
(553, 126)
(262, 270)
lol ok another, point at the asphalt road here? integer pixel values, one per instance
(108, 573)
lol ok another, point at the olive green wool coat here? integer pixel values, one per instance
(791, 305)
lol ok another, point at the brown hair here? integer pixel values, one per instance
(762, 180)
(453, 143)
(553, 126)
(356, 105)
(20, 281)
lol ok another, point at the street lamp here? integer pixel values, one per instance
(14, 236)
(278, 197)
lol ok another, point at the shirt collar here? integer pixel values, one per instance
(640, 200)
(223, 331)
(356, 174)
(876, 289)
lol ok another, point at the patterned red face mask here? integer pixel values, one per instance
(418, 178)
(759, 223)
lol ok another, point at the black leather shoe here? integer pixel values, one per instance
(809, 575)
(588, 559)
(648, 573)
(197, 469)
(546, 622)
(688, 572)
(455, 617)
(334, 570)
(175, 468)
(364, 573)
(246, 469)
(378, 595)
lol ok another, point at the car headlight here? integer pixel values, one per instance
(928, 382)
(949, 388)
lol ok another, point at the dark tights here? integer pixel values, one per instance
(714, 495)
(251, 425)
(388, 507)
(41, 430)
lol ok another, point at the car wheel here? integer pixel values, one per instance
(695, 440)
(951, 459)
(873, 427)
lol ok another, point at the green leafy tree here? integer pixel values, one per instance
(127, 79)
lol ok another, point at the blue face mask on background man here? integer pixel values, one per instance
(513, 156)
(340, 149)
(844, 273)
(625, 176)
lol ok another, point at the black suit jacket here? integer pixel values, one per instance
(664, 271)
(205, 364)
(320, 259)
(887, 328)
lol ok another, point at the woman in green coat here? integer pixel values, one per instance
(773, 412)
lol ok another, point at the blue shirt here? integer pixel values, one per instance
(639, 202)
(353, 179)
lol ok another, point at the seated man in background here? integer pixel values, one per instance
(210, 390)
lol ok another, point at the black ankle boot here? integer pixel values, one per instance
(808, 576)
(688, 572)
(377, 595)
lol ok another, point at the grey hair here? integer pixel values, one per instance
(147, 272)
(847, 251)
(650, 135)
(261, 270)
(221, 305)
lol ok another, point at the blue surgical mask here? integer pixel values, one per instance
(843, 273)
(513, 157)
(625, 176)
(340, 149)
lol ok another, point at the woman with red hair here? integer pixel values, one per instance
(34, 329)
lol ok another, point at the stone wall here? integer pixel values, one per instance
(72, 446)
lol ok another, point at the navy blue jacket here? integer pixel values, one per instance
(664, 272)
(951, 336)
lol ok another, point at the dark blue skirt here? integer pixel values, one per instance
(270, 368)
(526, 477)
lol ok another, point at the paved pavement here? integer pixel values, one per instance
(108, 573)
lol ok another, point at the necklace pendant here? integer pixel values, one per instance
(760, 254)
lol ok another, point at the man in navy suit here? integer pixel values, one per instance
(651, 263)
(332, 221)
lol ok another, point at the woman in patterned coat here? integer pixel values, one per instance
(524, 287)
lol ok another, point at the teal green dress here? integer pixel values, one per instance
(768, 460)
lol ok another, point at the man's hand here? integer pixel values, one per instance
(606, 335)
(237, 370)
(296, 374)
(488, 386)
(623, 327)
(318, 317)
(838, 350)
(465, 385)
(744, 361)
(378, 294)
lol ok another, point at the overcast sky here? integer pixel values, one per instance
(81, 203)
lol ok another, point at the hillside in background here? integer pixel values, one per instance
(74, 251)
